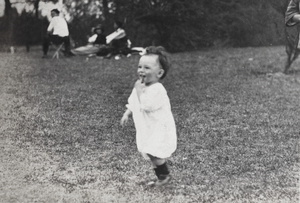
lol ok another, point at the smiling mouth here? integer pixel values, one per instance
(142, 78)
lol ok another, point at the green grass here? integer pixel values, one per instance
(237, 118)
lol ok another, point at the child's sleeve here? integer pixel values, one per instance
(130, 104)
(154, 99)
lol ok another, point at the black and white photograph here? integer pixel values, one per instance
(149, 101)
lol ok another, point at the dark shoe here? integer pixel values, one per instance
(44, 56)
(160, 182)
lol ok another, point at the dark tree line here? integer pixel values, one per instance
(194, 24)
(178, 25)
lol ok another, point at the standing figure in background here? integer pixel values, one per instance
(292, 19)
(57, 33)
(292, 15)
(96, 42)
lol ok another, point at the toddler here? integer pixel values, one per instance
(150, 107)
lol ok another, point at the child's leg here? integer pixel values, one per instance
(156, 161)
(160, 167)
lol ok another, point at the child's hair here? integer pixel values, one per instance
(163, 57)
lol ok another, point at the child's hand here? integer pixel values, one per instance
(124, 120)
(125, 117)
(139, 86)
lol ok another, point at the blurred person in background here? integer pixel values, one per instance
(57, 33)
(118, 42)
(95, 43)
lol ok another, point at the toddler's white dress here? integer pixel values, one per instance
(153, 120)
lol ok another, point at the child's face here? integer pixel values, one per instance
(149, 69)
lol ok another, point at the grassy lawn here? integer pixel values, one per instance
(237, 118)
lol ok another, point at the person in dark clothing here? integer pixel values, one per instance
(118, 42)
(95, 43)
(292, 22)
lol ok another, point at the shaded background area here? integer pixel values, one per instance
(179, 25)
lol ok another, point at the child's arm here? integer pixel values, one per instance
(125, 117)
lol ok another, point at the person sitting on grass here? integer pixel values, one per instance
(118, 41)
(150, 108)
(57, 33)
(96, 42)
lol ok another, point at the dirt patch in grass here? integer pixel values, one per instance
(237, 118)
